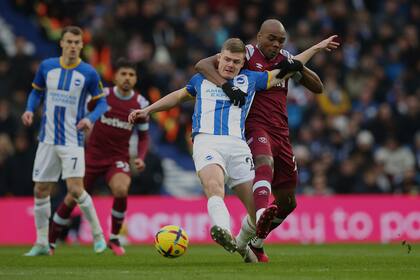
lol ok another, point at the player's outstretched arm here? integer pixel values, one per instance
(328, 44)
(208, 68)
(163, 104)
(311, 81)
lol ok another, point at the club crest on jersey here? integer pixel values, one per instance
(77, 82)
(262, 140)
(240, 80)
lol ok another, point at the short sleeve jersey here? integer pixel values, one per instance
(269, 107)
(214, 113)
(111, 134)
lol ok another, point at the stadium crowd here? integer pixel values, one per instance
(361, 136)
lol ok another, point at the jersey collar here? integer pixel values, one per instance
(120, 96)
(74, 65)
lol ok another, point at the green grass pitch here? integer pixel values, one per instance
(361, 261)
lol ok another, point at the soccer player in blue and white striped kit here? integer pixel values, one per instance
(63, 84)
(220, 151)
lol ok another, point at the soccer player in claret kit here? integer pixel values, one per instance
(219, 149)
(63, 83)
(267, 131)
(107, 152)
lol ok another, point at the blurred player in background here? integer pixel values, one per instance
(63, 84)
(107, 152)
(219, 150)
(267, 131)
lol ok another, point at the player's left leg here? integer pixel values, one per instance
(73, 166)
(60, 220)
(119, 185)
(85, 202)
(244, 192)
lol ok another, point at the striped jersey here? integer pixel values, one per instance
(65, 90)
(213, 111)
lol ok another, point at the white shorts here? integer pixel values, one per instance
(53, 160)
(231, 153)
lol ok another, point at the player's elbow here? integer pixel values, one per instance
(318, 88)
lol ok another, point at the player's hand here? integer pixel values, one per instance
(328, 44)
(84, 124)
(236, 96)
(288, 66)
(27, 118)
(140, 165)
(138, 114)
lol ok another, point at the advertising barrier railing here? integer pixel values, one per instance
(377, 219)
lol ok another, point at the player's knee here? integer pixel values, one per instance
(262, 160)
(213, 187)
(120, 191)
(41, 190)
(75, 191)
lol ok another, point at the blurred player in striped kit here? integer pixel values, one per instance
(63, 84)
(107, 152)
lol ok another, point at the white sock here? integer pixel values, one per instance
(42, 213)
(259, 213)
(257, 242)
(114, 236)
(218, 212)
(246, 233)
(86, 205)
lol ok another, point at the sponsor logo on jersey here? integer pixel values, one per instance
(262, 140)
(114, 122)
(215, 92)
(62, 98)
(77, 82)
(209, 157)
(259, 65)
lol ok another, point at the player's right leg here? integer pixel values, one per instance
(259, 142)
(212, 179)
(42, 213)
(210, 166)
(45, 173)
(119, 185)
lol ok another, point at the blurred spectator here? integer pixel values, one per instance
(397, 160)
(319, 186)
(19, 167)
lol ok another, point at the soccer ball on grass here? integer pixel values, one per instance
(171, 241)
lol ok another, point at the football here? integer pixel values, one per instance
(171, 241)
